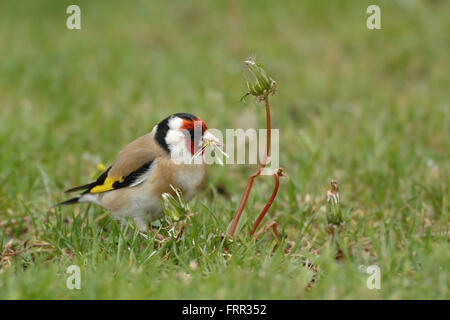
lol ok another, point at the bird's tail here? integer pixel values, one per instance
(70, 201)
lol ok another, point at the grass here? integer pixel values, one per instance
(368, 108)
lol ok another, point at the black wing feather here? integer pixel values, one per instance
(133, 176)
(127, 181)
(100, 180)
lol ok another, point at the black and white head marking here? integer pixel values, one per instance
(170, 137)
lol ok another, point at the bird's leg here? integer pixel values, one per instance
(140, 223)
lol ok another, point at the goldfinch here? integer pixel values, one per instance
(150, 166)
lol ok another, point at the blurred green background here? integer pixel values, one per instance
(369, 108)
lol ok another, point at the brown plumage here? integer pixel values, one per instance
(147, 168)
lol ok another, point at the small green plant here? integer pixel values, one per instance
(334, 211)
(260, 85)
(175, 208)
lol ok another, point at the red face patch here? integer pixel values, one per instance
(191, 126)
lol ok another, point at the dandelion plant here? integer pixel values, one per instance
(261, 85)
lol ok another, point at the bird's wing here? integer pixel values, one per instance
(132, 167)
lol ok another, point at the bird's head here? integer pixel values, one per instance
(183, 135)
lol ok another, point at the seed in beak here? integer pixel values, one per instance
(209, 138)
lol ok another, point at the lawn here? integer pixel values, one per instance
(369, 108)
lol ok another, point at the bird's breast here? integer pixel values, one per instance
(189, 179)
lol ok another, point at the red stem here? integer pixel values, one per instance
(241, 207)
(272, 225)
(267, 206)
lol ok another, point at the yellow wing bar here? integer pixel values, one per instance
(106, 186)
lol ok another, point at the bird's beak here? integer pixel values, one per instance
(208, 138)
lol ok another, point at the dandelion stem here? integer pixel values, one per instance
(268, 204)
(270, 225)
(262, 165)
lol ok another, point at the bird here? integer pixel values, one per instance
(161, 161)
